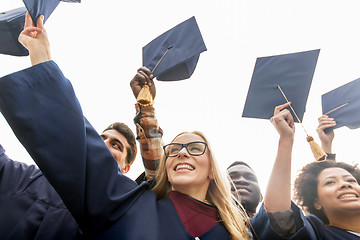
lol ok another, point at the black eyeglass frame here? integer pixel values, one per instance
(184, 146)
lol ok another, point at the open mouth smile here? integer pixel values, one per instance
(183, 166)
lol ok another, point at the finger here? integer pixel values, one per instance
(326, 125)
(29, 31)
(325, 121)
(145, 77)
(146, 70)
(290, 122)
(289, 118)
(151, 82)
(148, 73)
(324, 117)
(281, 107)
(40, 22)
(141, 78)
(28, 21)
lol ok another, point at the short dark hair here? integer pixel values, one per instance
(239, 163)
(123, 129)
(305, 187)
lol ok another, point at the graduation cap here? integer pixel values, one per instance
(11, 24)
(40, 7)
(173, 55)
(280, 79)
(43, 7)
(343, 104)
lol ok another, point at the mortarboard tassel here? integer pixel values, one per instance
(145, 97)
(318, 152)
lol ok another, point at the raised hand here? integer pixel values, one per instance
(143, 77)
(283, 121)
(35, 39)
(326, 138)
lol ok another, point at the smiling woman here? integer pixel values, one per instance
(328, 190)
(189, 168)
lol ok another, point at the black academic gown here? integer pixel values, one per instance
(308, 227)
(44, 113)
(29, 206)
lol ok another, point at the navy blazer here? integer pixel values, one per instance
(29, 206)
(40, 105)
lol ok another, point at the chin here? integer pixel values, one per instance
(181, 183)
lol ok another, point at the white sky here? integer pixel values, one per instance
(98, 45)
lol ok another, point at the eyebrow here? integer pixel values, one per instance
(346, 175)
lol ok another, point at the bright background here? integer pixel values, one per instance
(98, 45)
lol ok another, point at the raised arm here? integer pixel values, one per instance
(148, 132)
(35, 39)
(41, 107)
(278, 192)
(326, 138)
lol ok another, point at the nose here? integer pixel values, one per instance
(345, 184)
(241, 181)
(183, 153)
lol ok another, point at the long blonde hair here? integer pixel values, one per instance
(233, 217)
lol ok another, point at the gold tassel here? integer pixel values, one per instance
(318, 152)
(145, 97)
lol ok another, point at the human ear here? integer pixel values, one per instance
(125, 169)
(317, 205)
(211, 175)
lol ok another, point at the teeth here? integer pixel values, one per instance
(348, 196)
(182, 166)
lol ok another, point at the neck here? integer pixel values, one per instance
(350, 223)
(198, 194)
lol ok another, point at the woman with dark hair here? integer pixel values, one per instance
(307, 185)
(329, 191)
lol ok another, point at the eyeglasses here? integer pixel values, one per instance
(193, 148)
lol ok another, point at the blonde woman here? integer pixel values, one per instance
(40, 105)
(189, 174)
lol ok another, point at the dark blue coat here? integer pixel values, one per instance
(308, 227)
(41, 107)
(29, 206)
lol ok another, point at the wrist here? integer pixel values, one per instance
(39, 57)
(326, 147)
(286, 140)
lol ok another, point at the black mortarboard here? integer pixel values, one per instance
(343, 104)
(40, 7)
(43, 7)
(276, 78)
(174, 54)
(11, 24)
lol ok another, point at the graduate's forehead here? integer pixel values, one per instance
(188, 137)
(333, 172)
